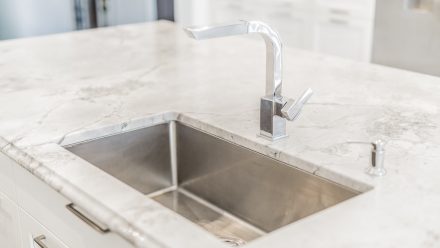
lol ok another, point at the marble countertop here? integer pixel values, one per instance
(58, 88)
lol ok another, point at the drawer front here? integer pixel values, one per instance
(230, 11)
(363, 9)
(35, 235)
(344, 37)
(7, 180)
(52, 210)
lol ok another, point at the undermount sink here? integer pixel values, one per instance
(233, 192)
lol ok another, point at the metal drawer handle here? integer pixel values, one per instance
(71, 208)
(339, 11)
(338, 21)
(39, 241)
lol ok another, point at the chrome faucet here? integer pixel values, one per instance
(274, 108)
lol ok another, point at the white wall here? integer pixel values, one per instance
(338, 27)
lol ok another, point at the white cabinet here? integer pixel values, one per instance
(192, 12)
(298, 33)
(9, 223)
(344, 37)
(359, 9)
(50, 209)
(338, 27)
(38, 210)
(7, 180)
(35, 235)
(345, 28)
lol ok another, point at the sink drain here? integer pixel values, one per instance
(234, 242)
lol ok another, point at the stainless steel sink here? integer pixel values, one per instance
(231, 191)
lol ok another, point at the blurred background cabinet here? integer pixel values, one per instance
(407, 35)
(338, 27)
(399, 33)
(32, 212)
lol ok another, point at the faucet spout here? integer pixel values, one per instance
(208, 32)
(273, 47)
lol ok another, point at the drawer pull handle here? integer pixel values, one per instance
(339, 11)
(338, 21)
(92, 224)
(39, 241)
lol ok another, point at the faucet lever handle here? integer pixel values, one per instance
(292, 109)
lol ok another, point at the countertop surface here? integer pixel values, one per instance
(59, 89)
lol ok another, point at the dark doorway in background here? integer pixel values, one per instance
(165, 10)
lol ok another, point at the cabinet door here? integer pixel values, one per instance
(34, 235)
(9, 223)
(344, 37)
(7, 179)
(224, 11)
(360, 9)
(193, 12)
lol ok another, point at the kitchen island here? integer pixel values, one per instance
(59, 88)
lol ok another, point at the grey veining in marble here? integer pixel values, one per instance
(59, 89)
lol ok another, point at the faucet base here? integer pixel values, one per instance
(272, 124)
(267, 136)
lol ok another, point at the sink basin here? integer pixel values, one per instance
(233, 192)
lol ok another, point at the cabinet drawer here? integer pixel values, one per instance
(344, 37)
(49, 208)
(363, 9)
(230, 11)
(34, 235)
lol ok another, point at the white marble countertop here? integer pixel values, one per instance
(57, 87)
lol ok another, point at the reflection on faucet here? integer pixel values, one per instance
(274, 109)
